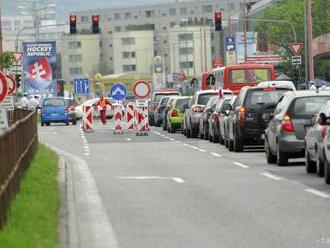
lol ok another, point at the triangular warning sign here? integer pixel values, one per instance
(296, 48)
(18, 57)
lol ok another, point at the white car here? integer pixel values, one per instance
(96, 109)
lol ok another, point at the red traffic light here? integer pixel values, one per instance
(95, 18)
(217, 15)
(73, 18)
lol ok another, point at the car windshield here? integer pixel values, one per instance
(69, 102)
(306, 107)
(181, 102)
(158, 96)
(204, 98)
(163, 101)
(54, 102)
(263, 97)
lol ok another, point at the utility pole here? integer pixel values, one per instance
(243, 6)
(310, 39)
(1, 38)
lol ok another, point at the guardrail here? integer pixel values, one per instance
(18, 145)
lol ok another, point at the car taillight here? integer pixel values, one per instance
(241, 116)
(209, 113)
(174, 113)
(287, 124)
(197, 108)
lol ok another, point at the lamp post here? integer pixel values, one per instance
(309, 27)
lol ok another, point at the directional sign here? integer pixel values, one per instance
(3, 87)
(81, 86)
(141, 89)
(230, 44)
(118, 92)
(296, 60)
(296, 48)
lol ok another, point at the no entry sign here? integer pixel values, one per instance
(141, 89)
(3, 87)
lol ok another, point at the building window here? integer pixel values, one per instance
(150, 13)
(163, 14)
(207, 8)
(172, 11)
(128, 41)
(186, 65)
(109, 18)
(117, 16)
(172, 24)
(128, 55)
(74, 44)
(186, 50)
(117, 29)
(185, 37)
(76, 71)
(128, 15)
(232, 6)
(164, 28)
(183, 11)
(127, 68)
(75, 58)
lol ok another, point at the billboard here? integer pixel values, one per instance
(39, 67)
(251, 45)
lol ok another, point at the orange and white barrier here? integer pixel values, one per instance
(87, 118)
(118, 119)
(142, 124)
(130, 115)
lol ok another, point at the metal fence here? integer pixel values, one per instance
(18, 145)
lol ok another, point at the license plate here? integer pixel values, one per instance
(54, 114)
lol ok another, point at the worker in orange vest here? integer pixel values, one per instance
(102, 102)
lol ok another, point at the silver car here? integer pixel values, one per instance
(285, 134)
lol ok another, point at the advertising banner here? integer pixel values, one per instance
(39, 67)
(251, 45)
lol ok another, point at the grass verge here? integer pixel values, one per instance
(33, 220)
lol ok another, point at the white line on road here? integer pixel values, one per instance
(317, 192)
(87, 154)
(185, 144)
(214, 154)
(171, 139)
(128, 139)
(201, 150)
(241, 165)
(193, 147)
(175, 179)
(271, 176)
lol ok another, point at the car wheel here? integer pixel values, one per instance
(221, 140)
(201, 133)
(210, 138)
(326, 172)
(205, 134)
(188, 133)
(42, 124)
(238, 144)
(48, 124)
(271, 159)
(281, 158)
(309, 164)
(67, 123)
(320, 167)
(215, 138)
(172, 129)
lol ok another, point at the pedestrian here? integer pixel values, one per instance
(24, 102)
(102, 102)
(312, 86)
(34, 103)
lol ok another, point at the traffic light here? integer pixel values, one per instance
(218, 21)
(18, 80)
(95, 27)
(73, 24)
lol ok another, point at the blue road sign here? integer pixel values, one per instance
(81, 86)
(118, 92)
(230, 43)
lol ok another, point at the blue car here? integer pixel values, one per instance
(54, 109)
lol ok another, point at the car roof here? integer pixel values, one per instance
(276, 83)
(206, 91)
(302, 93)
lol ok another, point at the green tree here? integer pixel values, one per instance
(7, 59)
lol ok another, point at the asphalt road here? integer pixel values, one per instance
(164, 190)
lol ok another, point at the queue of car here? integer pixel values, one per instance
(274, 115)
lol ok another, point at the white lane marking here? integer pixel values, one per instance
(85, 141)
(87, 154)
(241, 165)
(167, 137)
(201, 150)
(318, 193)
(178, 141)
(185, 144)
(128, 139)
(214, 154)
(171, 139)
(193, 147)
(175, 179)
(271, 176)
(54, 132)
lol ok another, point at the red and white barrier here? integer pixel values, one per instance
(142, 124)
(130, 115)
(87, 118)
(118, 119)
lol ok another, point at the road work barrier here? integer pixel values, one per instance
(18, 145)
(142, 125)
(87, 118)
(118, 113)
(130, 115)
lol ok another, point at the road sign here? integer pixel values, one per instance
(230, 44)
(3, 87)
(118, 92)
(98, 76)
(11, 84)
(296, 60)
(141, 89)
(3, 119)
(296, 48)
(81, 86)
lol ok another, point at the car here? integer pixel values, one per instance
(196, 107)
(314, 150)
(214, 120)
(54, 109)
(204, 118)
(70, 103)
(285, 134)
(175, 113)
(282, 84)
(155, 100)
(223, 122)
(158, 113)
(326, 147)
(250, 115)
(167, 108)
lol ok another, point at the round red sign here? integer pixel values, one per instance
(3, 87)
(11, 84)
(141, 89)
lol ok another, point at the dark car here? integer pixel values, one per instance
(250, 115)
(285, 134)
(214, 121)
(70, 103)
(54, 109)
(314, 150)
(326, 147)
(159, 111)
(204, 118)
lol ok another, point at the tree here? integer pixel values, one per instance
(7, 60)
